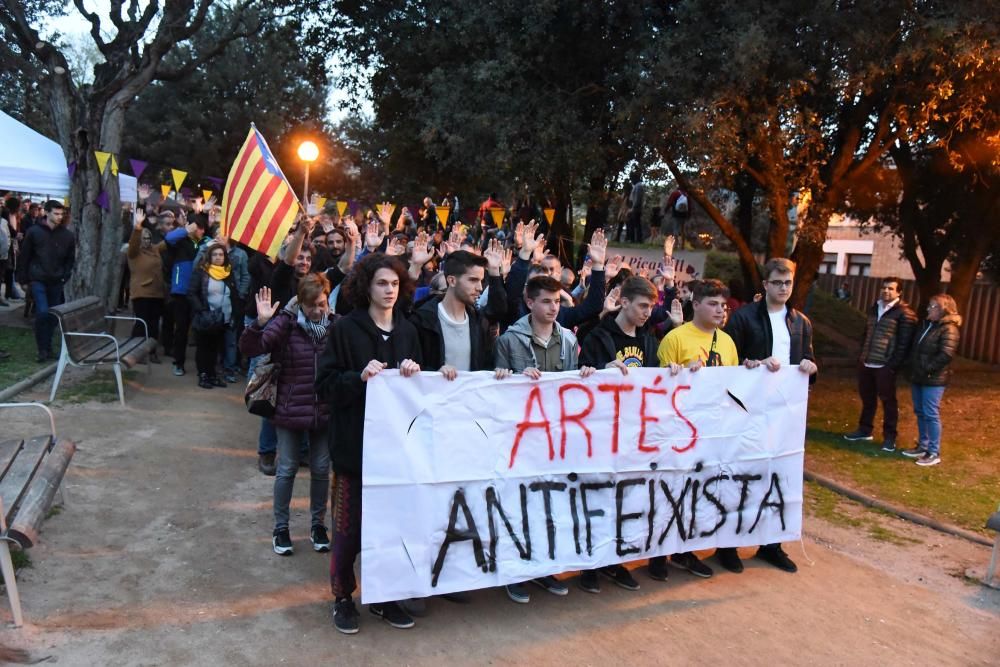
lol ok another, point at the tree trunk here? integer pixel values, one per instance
(597, 210)
(808, 253)
(560, 240)
(963, 275)
(746, 189)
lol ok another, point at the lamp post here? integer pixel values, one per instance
(308, 152)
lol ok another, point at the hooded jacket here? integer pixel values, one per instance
(352, 343)
(298, 404)
(515, 351)
(931, 355)
(599, 347)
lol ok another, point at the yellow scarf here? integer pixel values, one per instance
(219, 272)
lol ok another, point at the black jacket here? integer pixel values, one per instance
(930, 356)
(198, 293)
(352, 343)
(428, 326)
(599, 347)
(47, 255)
(887, 340)
(750, 329)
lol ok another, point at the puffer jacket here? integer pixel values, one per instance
(298, 405)
(887, 340)
(931, 355)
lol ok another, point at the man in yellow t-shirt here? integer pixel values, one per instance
(700, 342)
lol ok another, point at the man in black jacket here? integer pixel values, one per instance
(888, 334)
(771, 333)
(46, 262)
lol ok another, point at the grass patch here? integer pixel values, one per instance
(832, 508)
(20, 558)
(55, 510)
(21, 345)
(99, 385)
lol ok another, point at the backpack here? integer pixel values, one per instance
(681, 205)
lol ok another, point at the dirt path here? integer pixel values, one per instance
(162, 557)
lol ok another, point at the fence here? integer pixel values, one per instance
(980, 321)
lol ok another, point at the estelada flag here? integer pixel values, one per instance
(258, 204)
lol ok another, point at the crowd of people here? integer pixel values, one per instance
(350, 296)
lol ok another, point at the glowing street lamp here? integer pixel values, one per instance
(308, 152)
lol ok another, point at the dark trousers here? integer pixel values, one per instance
(346, 534)
(208, 344)
(633, 232)
(46, 296)
(180, 309)
(149, 310)
(874, 385)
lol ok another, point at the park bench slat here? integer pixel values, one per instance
(8, 450)
(92, 349)
(15, 482)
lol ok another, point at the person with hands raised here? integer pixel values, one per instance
(373, 337)
(146, 287)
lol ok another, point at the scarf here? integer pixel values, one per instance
(315, 330)
(219, 272)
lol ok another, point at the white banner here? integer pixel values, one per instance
(478, 482)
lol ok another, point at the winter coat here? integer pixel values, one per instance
(298, 405)
(930, 356)
(352, 343)
(599, 347)
(47, 255)
(181, 251)
(145, 268)
(428, 326)
(198, 292)
(887, 340)
(750, 329)
(515, 351)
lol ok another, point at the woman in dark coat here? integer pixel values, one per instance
(295, 338)
(933, 349)
(212, 290)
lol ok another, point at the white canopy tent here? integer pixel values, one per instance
(30, 162)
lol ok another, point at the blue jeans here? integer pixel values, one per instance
(289, 448)
(926, 405)
(229, 349)
(46, 296)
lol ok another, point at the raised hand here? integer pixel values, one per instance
(494, 257)
(530, 241)
(611, 301)
(668, 245)
(422, 250)
(144, 192)
(598, 249)
(508, 259)
(519, 235)
(612, 268)
(667, 270)
(139, 216)
(373, 235)
(396, 247)
(676, 312)
(211, 202)
(265, 309)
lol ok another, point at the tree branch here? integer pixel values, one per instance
(95, 25)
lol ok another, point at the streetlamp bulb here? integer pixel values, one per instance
(308, 151)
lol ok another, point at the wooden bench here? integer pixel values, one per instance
(88, 340)
(31, 472)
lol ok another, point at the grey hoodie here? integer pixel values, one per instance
(515, 351)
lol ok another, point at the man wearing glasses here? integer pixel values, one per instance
(773, 334)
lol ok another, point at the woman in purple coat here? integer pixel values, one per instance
(295, 337)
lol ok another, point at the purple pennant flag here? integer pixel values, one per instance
(353, 207)
(71, 168)
(138, 166)
(217, 181)
(102, 200)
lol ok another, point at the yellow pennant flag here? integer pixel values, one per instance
(320, 203)
(442, 213)
(549, 213)
(497, 214)
(165, 189)
(114, 165)
(178, 177)
(206, 194)
(385, 211)
(102, 160)
(341, 207)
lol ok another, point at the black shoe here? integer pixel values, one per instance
(777, 557)
(690, 562)
(621, 576)
(588, 581)
(203, 380)
(658, 568)
(889, 445)
(730, 559)
(217, 381)
(552, 585)
(281, 542)
(393, 614)
(265, 463)
(458, 597)
(319, 538)
(854, 436)
(518, 593)
(345, 616)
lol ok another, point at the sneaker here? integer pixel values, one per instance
(588, 581)
(854, 436)
(658, 568)
(203, 381)
(217, 381)
(621, 576)
(690, 562)
(281, 542)
(230, 377)
(929, 459)
(777, 557)
(552, 585)
(393, 614)
(319, 538)
(265, 463)
(345, 616)
(178, 370)
(730, 559)
(914, 452)
(416, 607)
(889, 445)
(518, 593)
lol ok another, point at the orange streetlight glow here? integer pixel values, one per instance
(308, 152)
